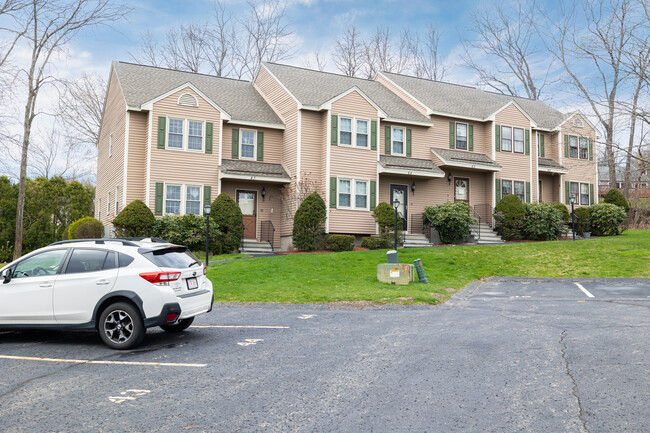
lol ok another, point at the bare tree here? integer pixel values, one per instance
(508, 39)
(80, 108)
(348, 52)
(427, 60)
(319, 63)
(381, 54)
(54, 155)
(219, 41)
(184, 47)
(51, 24)
(148, 53)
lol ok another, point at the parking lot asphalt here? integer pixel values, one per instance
(503, 355)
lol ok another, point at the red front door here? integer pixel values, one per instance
(247, 201)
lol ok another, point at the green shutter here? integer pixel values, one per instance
(566, 146)
(527, 142)
(541, 144)
(452, 135)
(161, 132)
(591, 150)
(408, 142)
(527, 192)
(387, 139)
(207, 194)
(332, 192)
(159, 198)
(591, 193)
(373, 195)
(497, 189)
(260, 146)
(235, 144)
(497, 137)
(334, 130)
(567, 195)
(208, 137)
(373, 135)
(471, 138)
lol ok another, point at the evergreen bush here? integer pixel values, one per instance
(340, 242)
(135, 220)
(543, 222)
(187, 230)
(583, 220)
(606, 219)
(384, 215)
(564, 211)
(374, 243)
(451, 220)
(228, 221)
(616, 197)
(509, 216)
(86, 228)
(309, 223)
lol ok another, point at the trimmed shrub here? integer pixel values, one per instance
(451, 220)
(374, 243)
(509, 216)
(135, 220)
(340, 242)
(583, 220)
(543, 222)
(228, 222)
(564, 211)
(606, 219)
(309, 223)
(187, 230)
(86, 228)
(616, 197)
(384, 215)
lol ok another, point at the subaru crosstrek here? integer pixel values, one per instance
(120, 287)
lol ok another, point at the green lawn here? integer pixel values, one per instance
(201, 256)
(351, 276)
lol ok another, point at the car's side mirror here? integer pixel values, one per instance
(7, 276)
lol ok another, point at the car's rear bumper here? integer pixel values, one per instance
(196, 303)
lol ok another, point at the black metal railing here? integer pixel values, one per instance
(478, 217)
(267, 233)
(485, 213)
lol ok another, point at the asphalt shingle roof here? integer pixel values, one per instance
(141, 84)
(469, 101)
(313, 88)
(462, 156)
(416, 164)
(545, 162)
(236, 166)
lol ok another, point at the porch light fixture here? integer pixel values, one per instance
(263, 193)
(413, 188)
(206, 210)
(449, 178)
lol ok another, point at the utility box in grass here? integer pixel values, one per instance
(395, 273)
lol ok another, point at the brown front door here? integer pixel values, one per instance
(247, 201)
(461, 189)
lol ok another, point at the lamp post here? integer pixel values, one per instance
(573, 219)
(206, 210)
(395, 205)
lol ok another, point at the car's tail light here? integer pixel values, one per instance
(171, 317)
(205, 269)
(161, 278)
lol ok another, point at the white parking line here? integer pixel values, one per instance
(584, 290)
(88, 361)
(239, 326)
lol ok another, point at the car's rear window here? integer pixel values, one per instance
(177, 257)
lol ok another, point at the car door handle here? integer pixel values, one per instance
(45, 285)
(102, 282)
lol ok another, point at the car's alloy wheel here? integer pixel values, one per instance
(120, 326)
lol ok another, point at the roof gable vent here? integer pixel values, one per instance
(188, 99)
(577, 122)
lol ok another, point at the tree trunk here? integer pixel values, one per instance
(609, 154)
(630, 145)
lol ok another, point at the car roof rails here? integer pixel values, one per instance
(97, 241)
(147, 238)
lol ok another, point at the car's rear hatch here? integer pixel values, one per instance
(178, 259)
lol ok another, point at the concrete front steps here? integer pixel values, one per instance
(252, 246)
(414, 240)
(487, 235)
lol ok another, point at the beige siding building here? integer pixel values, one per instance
(175, 140)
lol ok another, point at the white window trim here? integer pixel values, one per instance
(523, 140)
(512, 187)
(183, 198)
(110, 145)
(241, 136)
(524, 191)
(353, 193)
(186, 134)
(108, 205)
(512, 138)
(353, 131)
(577, 137)
(586, 140)
(579, 203)
(392, 149)
(537, 142)
(466, 136)
(117, 199)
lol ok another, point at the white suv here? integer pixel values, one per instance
(118, 286)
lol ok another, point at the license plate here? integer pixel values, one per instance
(192, 283)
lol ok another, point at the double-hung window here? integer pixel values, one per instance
(108, 204)
(573, 146)
(574, 190)
(345, 191)
(173, 199)
(584, 148)
(584, 193)
(248, 142)
(193, 199)
(360, 194)
(345, 133)
(195, 135)
(175, 134)
(117, 200)
(506, 187)
(185, 134)
(519, 140)
(353, 194)
(362, 133)
(398, 141)
(110, 145)
(182, 199)
(506, 138)
(520, 190)
(461, 136)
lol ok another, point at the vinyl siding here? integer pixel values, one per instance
(420, 139)
(180, 166)
(137, 157)
(110, 170)
(550, 188)
(580, 170)
(313, 147)
(273, 142)
(353, 104)
(516, 166)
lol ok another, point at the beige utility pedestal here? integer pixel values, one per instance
(395, 273)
